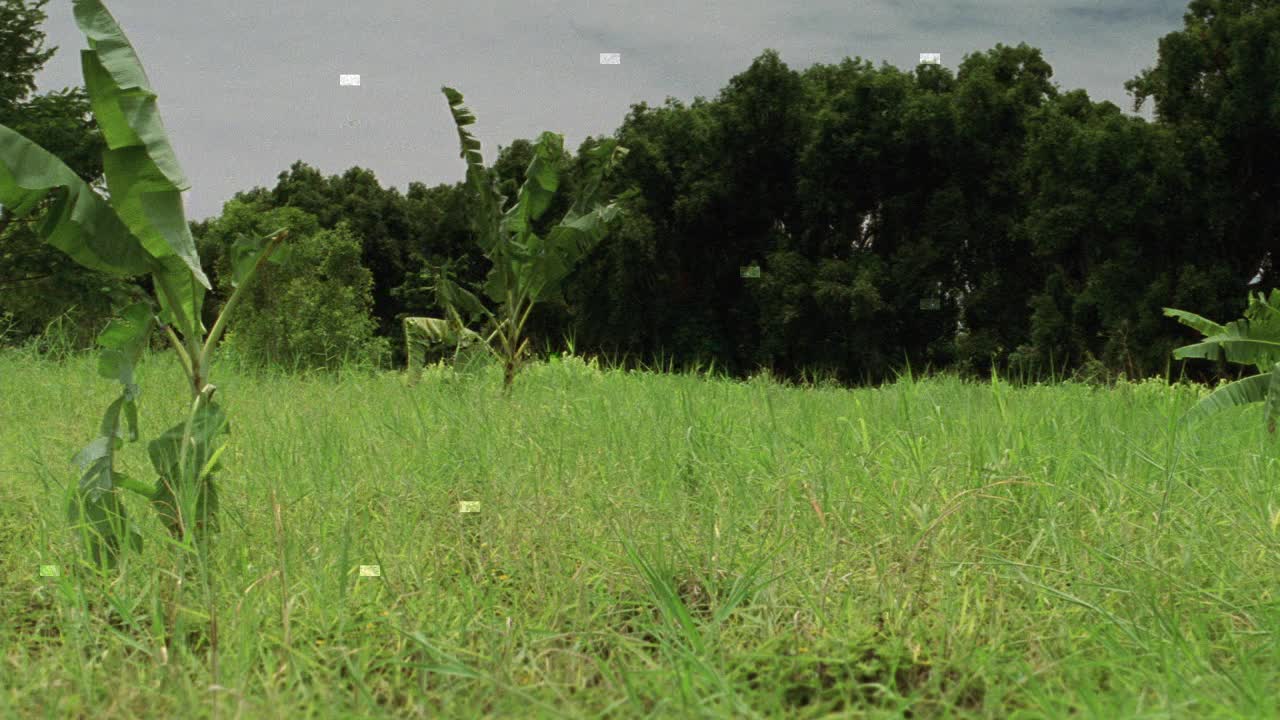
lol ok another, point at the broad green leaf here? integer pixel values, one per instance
(566, 245)
(123, 341)
(1242, 342)
(1241, 392)
(79, 223)
(1271, 410)
(542, 179)
(92, 477)
(208, 422)
(187, 291)
(1200, 351)
(426, 338)
(178, 479)
(142, 172)
(431, 332)
(583, 227)
(1253, 340)
(539, 265)
(100, 522)
(1263, 309)
(1191, 320)
(602, 156)
(450, 295)
(513, 268)
(94, 507)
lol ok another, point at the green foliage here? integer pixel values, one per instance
(22, 51)
(184, 458)
(95, 509)
(141, 229)
(1217, 86)
(1253, 340)
(379, 218)
(312, 312)
(526, 267)
(429, 339)
(38, 284)
(226, 242)
(1049, 228)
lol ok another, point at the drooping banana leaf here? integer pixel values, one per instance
(79, 223)
(143, 175)
(427, 339)
(1253, 340)
(1256, 388)
(1194, 321)
(459, 300)
(568, 243)
(583, 227)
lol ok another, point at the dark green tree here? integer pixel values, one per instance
(375, 215)
(1109, 217)
(640, 293)
(880, 224)
(761, 121)
(22, 51)
(995, 96)
(1217, 83)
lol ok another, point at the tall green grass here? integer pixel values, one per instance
(656, 546)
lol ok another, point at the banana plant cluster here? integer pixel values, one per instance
(139, 228)
(526, 268)
(1252, 340)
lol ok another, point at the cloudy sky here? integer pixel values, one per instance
(249, 86)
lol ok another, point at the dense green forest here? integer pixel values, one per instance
(943, 219)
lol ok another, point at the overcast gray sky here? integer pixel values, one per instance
(249, 86)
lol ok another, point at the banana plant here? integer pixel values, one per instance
(140, 228)
(526, 268)
(1253, 340)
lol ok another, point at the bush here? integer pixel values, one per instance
(313, 312)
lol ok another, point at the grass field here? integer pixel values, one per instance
(655, 546)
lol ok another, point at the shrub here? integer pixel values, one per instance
(314, 312)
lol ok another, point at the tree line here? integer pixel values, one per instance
(968, 219)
